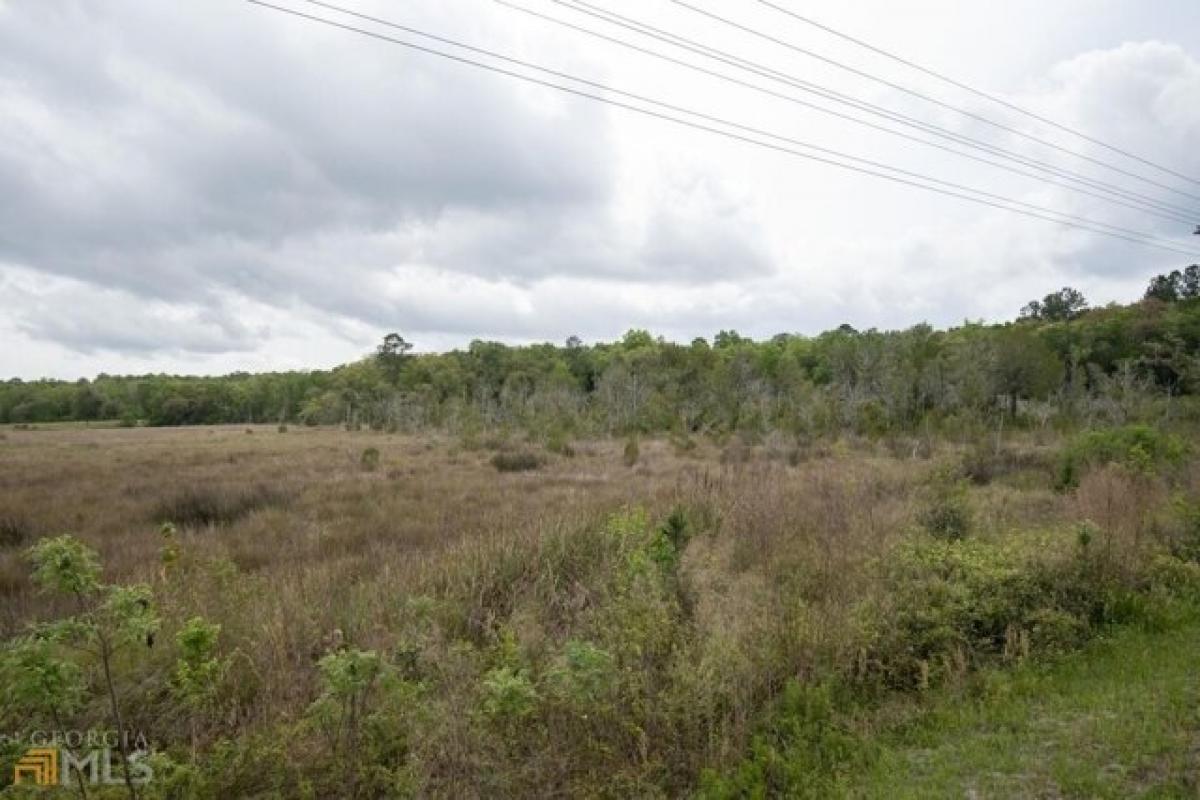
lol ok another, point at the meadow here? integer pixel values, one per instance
(322, 612)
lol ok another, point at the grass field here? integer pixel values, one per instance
(652, 618)
(1119, 719)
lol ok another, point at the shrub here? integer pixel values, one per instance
(584, 674)
(559, 442)
(950, 606)
(283, 428)
(1185, 543)
(202, 505)
(508, 694)
(683, 443)
(1141, 448)
(947, 512)
(14, 531)
(369, 460)
(519, 461)
(805, 750)
(631, 452)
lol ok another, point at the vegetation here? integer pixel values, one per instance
(857, 565)
(1060, 358)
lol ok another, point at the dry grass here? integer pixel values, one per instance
(436, 558)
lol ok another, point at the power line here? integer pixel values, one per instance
(1136, 238)
(967, 87)
(1180, 213)
(1147, 206)
(722, 121)
(914, 93)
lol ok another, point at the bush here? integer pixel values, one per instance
(519, 461)
(984, 463)
(283, 428)
(947, 513)
(369, 460)
(14, 531)
(1140, 448)
(632, 452)
(508, 693)
(804, 751)
(199, 506)
(559, 442)
(949, 607)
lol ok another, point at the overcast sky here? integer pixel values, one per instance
(204, 186)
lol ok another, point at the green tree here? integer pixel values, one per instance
(391, 355)
(108, 618)
(1024, 366)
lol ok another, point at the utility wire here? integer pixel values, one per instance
(968, 88)
(914, 93)
(1180, 213)
(1166, 213)
(1005, 204)
(745, 128)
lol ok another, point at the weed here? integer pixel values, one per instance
(632, 452)
(1140, 448)
(947, 512)
(517, 461)
(205, 505)
(14, 531)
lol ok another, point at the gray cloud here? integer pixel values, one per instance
(172, 173)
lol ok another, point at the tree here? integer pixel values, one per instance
(1065, 304)
(1025, 366)
(1164, 287)
(108, 618)
(391, 355)
(1175, 285)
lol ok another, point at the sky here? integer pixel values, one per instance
(205, 186)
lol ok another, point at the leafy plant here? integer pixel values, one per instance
(108, 619)
(1140, 448)
(198, 671)
(508, 694)
(947, 511)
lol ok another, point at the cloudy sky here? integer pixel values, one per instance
(207, 185)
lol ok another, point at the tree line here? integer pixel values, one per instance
(1058, 358)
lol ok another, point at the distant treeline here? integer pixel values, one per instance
(1059, 358)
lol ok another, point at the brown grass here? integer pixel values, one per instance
(437, 556)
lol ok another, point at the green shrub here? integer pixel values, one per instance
(583, 675)
(369, 460)
(1141, 448)
(805, 750)
(947, 511)
(948, 606)
(508, 694)
(558, 441)
(1185, 543)
(517, 461)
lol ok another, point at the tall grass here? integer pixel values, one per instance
(586, 630)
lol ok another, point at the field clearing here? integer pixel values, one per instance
(655, 601)
(325, 511)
